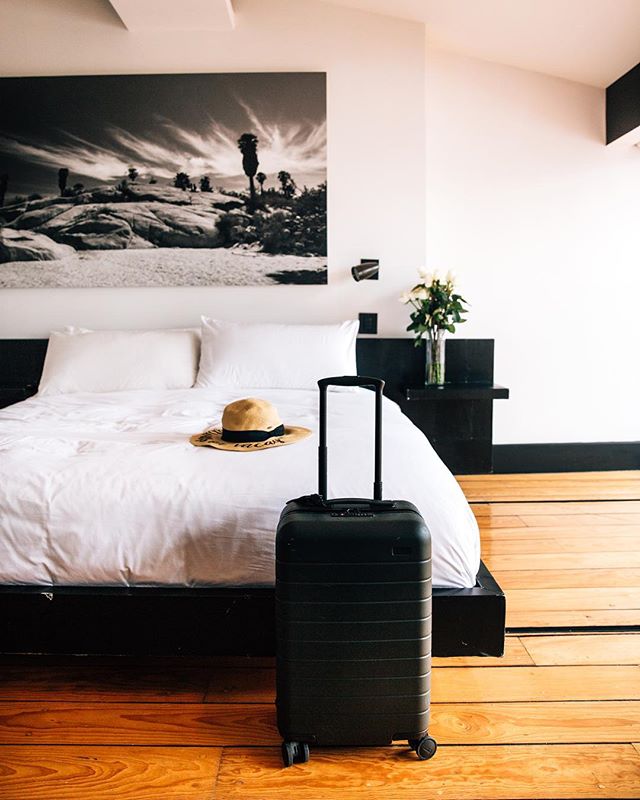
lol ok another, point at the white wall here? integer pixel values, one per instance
(375, 85)
(542, 224)
(524, 202)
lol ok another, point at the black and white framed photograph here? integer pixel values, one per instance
(163, 180)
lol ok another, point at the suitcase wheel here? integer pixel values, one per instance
(425, 748)
(294, 753)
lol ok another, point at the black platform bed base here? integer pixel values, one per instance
(208, 622)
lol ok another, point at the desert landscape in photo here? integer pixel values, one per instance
(163, 180)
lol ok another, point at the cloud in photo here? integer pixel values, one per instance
(298, 148)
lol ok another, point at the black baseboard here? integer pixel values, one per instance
(568, 457)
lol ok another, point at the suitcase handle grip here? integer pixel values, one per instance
(350, 380)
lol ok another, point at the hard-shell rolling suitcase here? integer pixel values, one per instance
(353, 614)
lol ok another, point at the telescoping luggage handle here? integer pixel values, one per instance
(350, 380)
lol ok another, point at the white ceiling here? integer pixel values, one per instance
(589, 41)
(176, 15)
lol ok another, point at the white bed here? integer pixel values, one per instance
(105, 489)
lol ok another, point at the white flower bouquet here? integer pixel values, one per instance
(437, 309)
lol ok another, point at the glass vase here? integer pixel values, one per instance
(434, 359)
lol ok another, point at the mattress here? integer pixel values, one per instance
(105, 489)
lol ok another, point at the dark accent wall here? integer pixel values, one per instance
(623, 105)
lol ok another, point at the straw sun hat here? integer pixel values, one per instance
(248, 425)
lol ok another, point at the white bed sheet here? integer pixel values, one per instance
(105, 489)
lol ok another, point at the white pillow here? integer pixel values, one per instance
(271, 355)
(80, 360)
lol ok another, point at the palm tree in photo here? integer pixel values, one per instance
(205, 184)
(287, 184)
(132, 174)
(63, 175)
(261, 178)
(248, 144)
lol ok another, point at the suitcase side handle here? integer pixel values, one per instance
(350, 380)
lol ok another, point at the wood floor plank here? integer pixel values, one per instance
(545, 508)
(515, 655)
(214, 725)
(567, 578)
(522, 600)
(598, 618)
(631, 533)
(596, 648)
(101, 684)
(536, 722)
(470, 684)
(566, 520)
(242, 686)
(181, 724)
(551, 561)
(520, 684)
(575, 772)
(104, 773)
(636, 745)
(501, 545)
(500, 522)
(618, 485)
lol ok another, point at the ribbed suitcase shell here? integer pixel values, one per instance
(353, 608)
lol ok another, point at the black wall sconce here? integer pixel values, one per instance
(366, 270)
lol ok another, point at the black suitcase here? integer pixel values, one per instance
(353, 614)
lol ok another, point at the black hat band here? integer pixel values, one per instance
(251, 436)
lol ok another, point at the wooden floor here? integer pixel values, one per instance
(557, 717)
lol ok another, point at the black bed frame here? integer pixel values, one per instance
(164, 621)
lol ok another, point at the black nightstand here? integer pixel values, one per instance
(457, 417)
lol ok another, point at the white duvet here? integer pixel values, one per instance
(106, 489)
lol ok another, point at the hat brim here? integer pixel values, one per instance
(213, 438)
